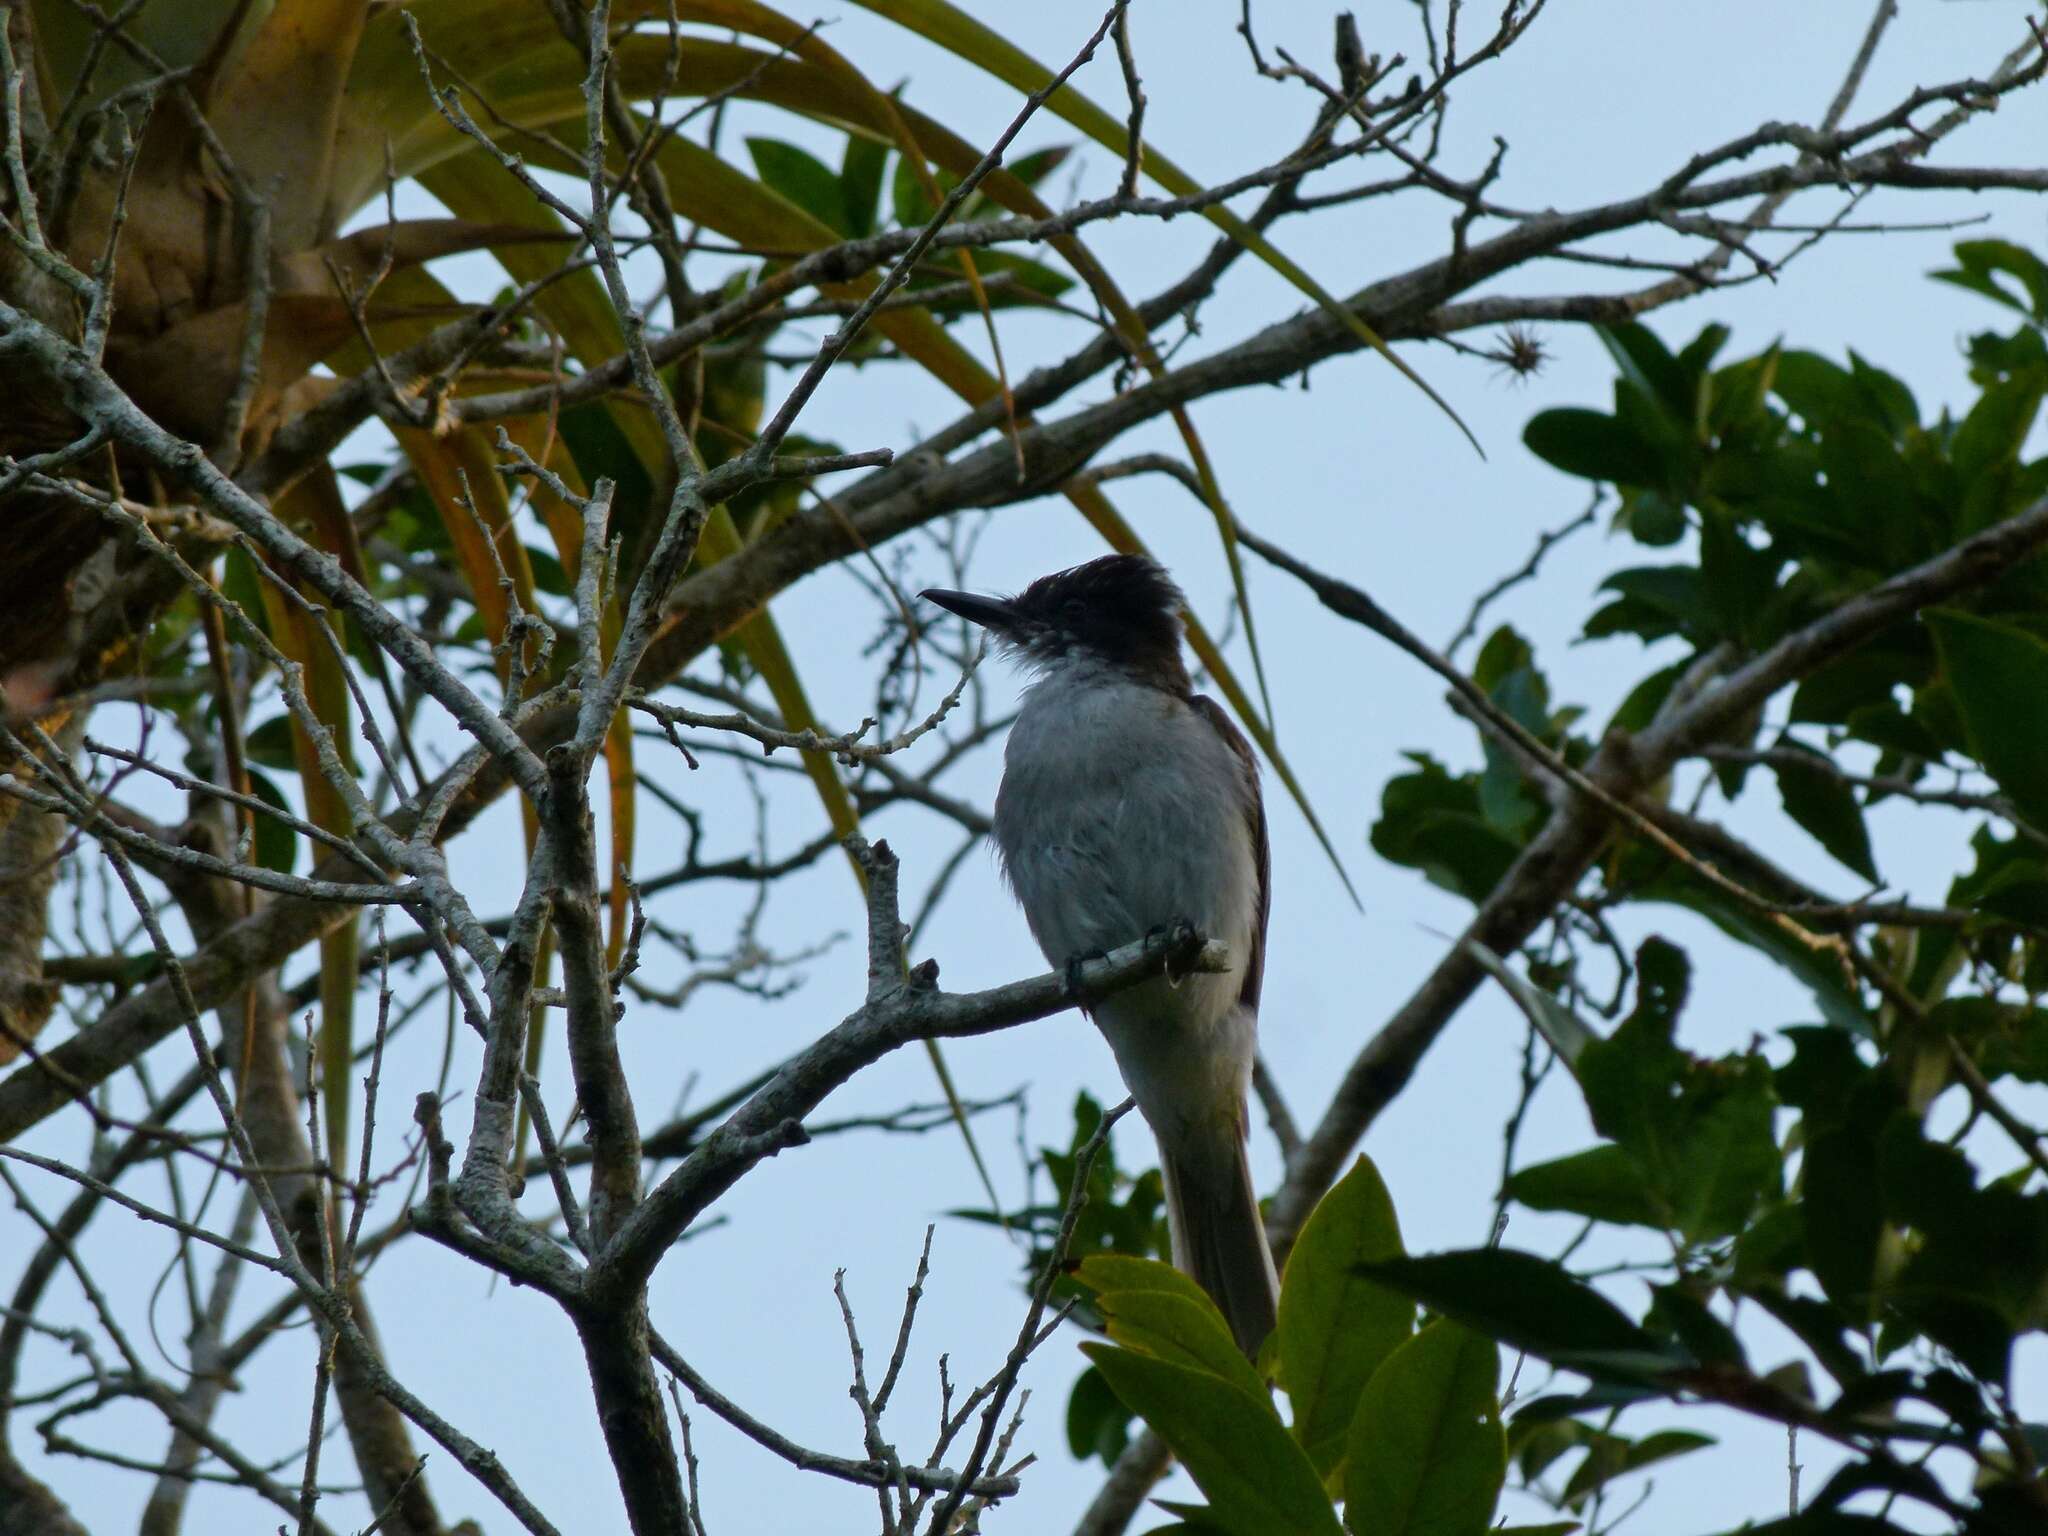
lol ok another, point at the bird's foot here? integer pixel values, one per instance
(1074, 965)
(1175, 934)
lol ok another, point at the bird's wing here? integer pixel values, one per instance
(1262, 854)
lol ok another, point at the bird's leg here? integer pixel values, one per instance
(1073, 968)
(1179, 928)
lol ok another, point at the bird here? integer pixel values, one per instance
(1130, 803)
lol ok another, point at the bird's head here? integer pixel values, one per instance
(1123, 610)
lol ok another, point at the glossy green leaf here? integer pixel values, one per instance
(1611, 1456)
(1426, 1453)
(1533, 1304)
(1826, 807)
(1991, 436)
(1823, 1522)
(1430, 820)
(1999, 675)
(241, 584)
(1674, 592)
(1181, 1330)
(1888, 399)
(1818, 389)
(800, 176)
(1605, 1183)
(860, 183)
(271, 742)
(1630, 1077)
(1564, 1031)
(1593, 446)
(1700, 1133)
(277, 842)
(1844, 1210)
(1109, 1273)
(1335, 1325)
(1256, 1479)
(1681, 1310)
(1098, 1425)
(1982, 265)
(1644, 361)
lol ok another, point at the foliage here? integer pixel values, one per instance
(1854, 1176)
(1400, 1428)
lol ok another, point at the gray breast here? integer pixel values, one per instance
(1122, 810)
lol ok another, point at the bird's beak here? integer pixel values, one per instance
(989, 612)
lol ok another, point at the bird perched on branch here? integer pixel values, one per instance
(1129, 803)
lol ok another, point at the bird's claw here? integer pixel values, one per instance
(1175, 933)
(1074, 965)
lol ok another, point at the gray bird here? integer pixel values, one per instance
(1129, 802)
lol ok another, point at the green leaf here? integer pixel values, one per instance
(803, 178)
(1647, 697)
(1593, 446)
(1844, 1212)
(1630, 1077)
(1687, 1318)
(1605, 1183)
(1700, 1132)
(1730, 1162)
(1865, 677)
(1195, 1520)
(1701, 351)
(1566, 1033)
(1427, 1455)
(1532, 1304)
(1098, 1424)
(1825, 807)
(1644, 362)
(1506, 670)
(1651, 517)
(907, 199)
(1504, 653)
(1665, 1444)
(1887, 396)
(240, 584)
(1674, 591)
(1256, 1479)
(599, 448)
(271, 745)
(1819, 390)
(1823, 1522)
(860, 183)
(1181, 1330)
(277, 843)
(548, 575)
(1335, 1325)
(1033, 168)
(1738, 581)
(1430, 820)
(1611, 1456)
(1982, 262)
(1991, 436)
(1975, 1276)
(1108, 1274)
(1999, 675)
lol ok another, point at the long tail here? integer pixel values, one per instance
(1212, 1212)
